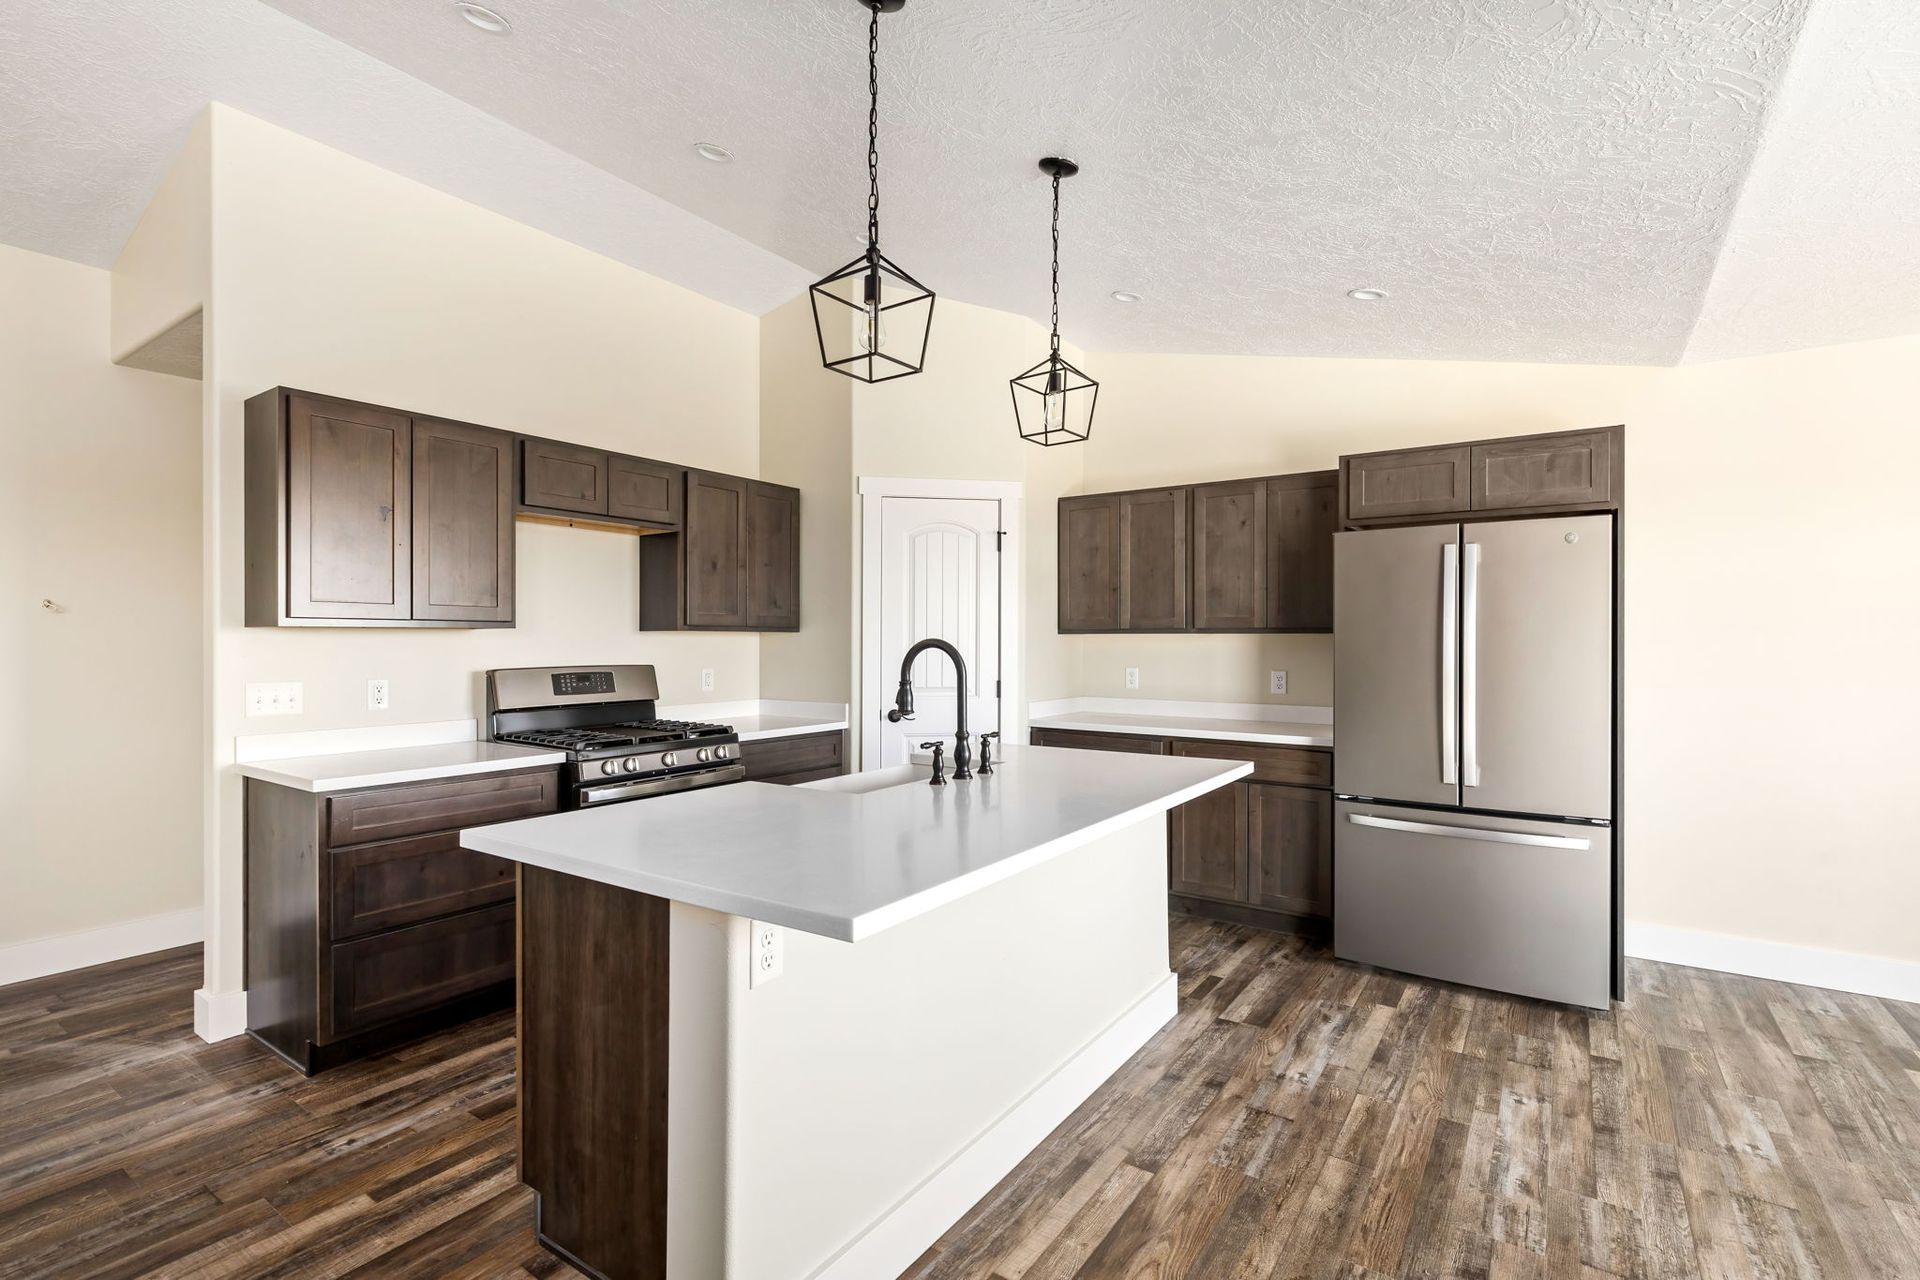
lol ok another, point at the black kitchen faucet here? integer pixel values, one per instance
(903, 703)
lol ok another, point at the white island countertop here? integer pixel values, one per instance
(852, 856)
(351, 770)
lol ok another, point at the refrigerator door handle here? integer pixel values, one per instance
(1470, 667)
(1449, 663)
(1469, 833)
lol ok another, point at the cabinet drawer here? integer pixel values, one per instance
(397, 882)
(817, 755)
(418, 808)
(1087, 741)
(1298, 766)
(388, 975)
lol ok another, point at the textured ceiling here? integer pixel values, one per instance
(1530, 179)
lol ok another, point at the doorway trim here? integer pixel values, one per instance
(1011, 495)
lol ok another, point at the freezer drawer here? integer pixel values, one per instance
(1502, 903)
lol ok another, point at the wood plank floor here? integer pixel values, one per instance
(1299, 1118)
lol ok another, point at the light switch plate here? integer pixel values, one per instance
(1133, 677)
(276, 698)
(1276, 682)
(766, 958)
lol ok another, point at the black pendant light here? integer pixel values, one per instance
(871, 317)
(1053, 401)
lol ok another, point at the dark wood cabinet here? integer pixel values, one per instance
(1207, 841)
(362, 516)
(562, 477)
(1302, 514)
(803, 758)
(716, 550)
(1230, 550)
(649, 492)
(1556, 471)
(349, 503)
(1290, 849)
(1089, 563)
(1085, 741)
(773, 557)
(367, 923)
(462, 522)
(1153, 550)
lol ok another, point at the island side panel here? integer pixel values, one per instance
(593, 971)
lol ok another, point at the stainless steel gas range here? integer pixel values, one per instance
(603, 718)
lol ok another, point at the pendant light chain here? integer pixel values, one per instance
(1056, 264)
(873, 132)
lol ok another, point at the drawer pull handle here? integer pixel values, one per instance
(1470, 833)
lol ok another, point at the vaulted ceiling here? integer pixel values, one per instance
(1577, 180)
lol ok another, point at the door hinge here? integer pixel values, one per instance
(999, 539)
(996, 688)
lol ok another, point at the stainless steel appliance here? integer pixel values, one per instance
(1474, 673)
(603, 718)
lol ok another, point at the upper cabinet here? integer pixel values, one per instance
(773, 557)
(1519, 475)
(645, 491)
(565, 480)
(1239, 555)
(361, 516)
(734, 565)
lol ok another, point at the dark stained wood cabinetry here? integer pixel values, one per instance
(1085, 741)
(462, 522)
(804, 758)
(645, 491)
(1207, 842)
(1290, 849)
(1557, 471)
(1237, 555)
(734, 564)
(716, 550)
(562, 477)
(773, 557)
(367, 923)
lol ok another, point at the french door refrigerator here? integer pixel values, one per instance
(1474, 674)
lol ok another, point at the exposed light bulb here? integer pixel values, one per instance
(1053, 405)
(873, 325)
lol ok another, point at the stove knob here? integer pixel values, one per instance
(631, 764)
(668, 760)
(609, 766)
(703, 755)
(719, 753)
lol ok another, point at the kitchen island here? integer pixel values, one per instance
(774, 1032)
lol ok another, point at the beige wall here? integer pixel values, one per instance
(162, 273)
(1771, 598)
(333, 275)
(100, 512)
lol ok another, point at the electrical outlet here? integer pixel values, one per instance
(283, 698)
(767, 957)
(1133, 677)
(1276, 682)
(706, 679)
(377, 698)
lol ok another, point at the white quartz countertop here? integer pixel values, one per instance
(1284, 733)
(856, 855)
(757, 728)
(351, 770)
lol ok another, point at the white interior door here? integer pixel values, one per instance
(940, 563)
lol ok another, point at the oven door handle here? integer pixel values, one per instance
(661, 786)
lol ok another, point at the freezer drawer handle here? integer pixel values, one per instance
(1469, 833)
(1449, 662)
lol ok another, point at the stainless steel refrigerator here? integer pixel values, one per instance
(1474, 703)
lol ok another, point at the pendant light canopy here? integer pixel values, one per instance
(871, 317)
(1053, 401)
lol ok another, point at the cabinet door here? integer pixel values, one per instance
(1153, 579)
(563, 477)
(641, 490)
(1290, 849)
(1300, 524)
(773, 557)
(716, 550)
(1568, 469)
(1415, 482)
(1083, 740)
(1089, 554)
(1207, 845)
(462, 523)
(349, 501)
(388, 975)
(1230, 546)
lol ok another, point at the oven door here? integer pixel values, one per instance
(640, 788)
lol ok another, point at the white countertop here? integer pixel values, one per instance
(1284, 733)
(852, 856)
(765, 718)
(351, 770)
(756, 728)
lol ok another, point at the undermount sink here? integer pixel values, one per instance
(859, 784)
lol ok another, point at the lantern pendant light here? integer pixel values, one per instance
(1053, 401)
(871, 317)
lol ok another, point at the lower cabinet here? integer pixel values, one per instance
(1259, 851)
(367, 923)
(806, 758)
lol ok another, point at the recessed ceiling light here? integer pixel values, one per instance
(481, 16)
(1367, 295)
(713, 151)
(1121, 295)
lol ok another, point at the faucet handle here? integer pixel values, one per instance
(939, 778)
(986, 752)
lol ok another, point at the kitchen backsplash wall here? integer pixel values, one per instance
(1208, 668)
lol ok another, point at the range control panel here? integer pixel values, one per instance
(572, 683)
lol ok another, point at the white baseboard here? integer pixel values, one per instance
(219, 1015)
(62, 953)
(889, 1245)
(1782, 961)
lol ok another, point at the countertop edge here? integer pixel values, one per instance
(263, 771)
(1080, 724)
(794, 731)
